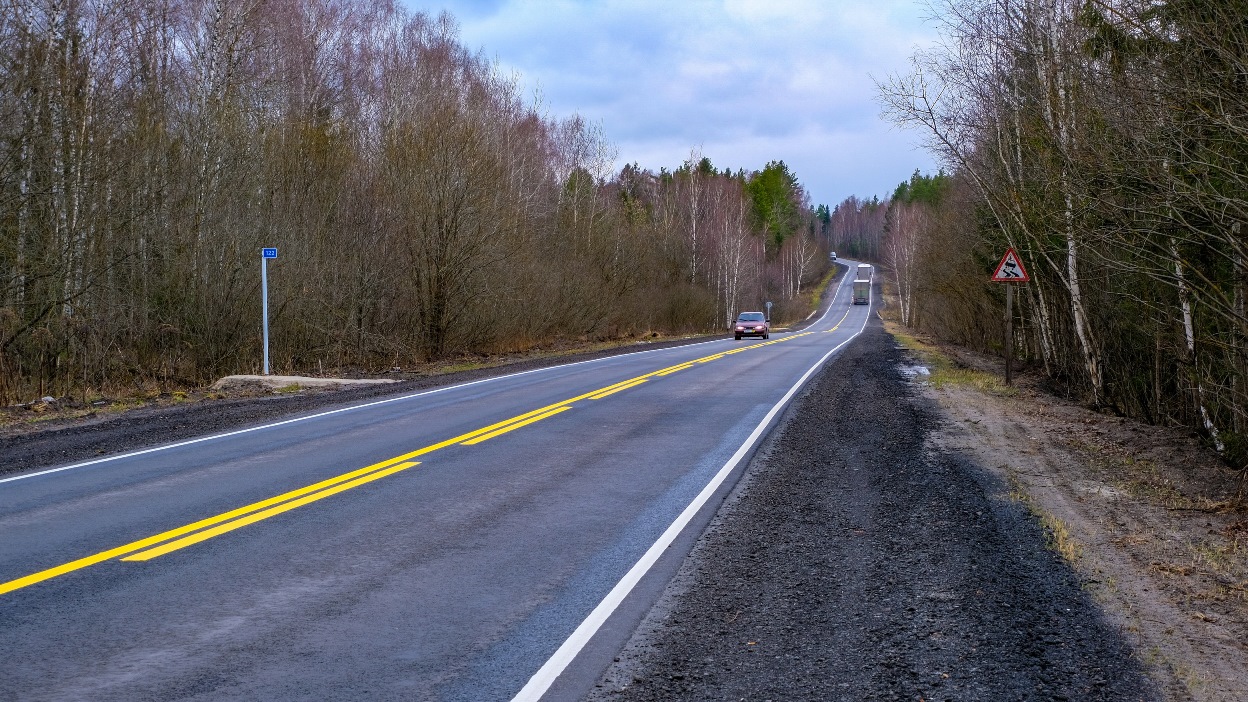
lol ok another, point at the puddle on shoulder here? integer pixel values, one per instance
(915, 371)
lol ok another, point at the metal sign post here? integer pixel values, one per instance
(265, 255)
(768, 311)
(1010, 270)
(1009, 333)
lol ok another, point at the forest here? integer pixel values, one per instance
(1107, 142)
(423, 207)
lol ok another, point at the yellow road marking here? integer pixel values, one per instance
(675, 369)
(614, 390)
(838, 324)
(272, 511)
(517, 425)
(204, 529)
(194, 526)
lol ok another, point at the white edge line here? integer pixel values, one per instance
(352, 408)
(833, 302)
(555, 665)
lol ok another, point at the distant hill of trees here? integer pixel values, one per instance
(420, 206)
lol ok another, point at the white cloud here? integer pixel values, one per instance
(748, 81)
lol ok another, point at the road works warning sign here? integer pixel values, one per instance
(1010, 270)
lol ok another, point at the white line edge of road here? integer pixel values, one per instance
(559, 661)
(340, 410)
(352, 408)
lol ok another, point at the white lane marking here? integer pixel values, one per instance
(555, 665)
(833, 302)
(351, 408)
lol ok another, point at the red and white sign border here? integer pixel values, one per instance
(998, 277)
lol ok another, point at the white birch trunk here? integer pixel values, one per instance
(1189, 339)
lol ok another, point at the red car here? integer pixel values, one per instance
(751, 324)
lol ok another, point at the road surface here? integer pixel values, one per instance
(499, 539)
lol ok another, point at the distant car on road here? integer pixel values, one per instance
(751, 324)
(833, 255)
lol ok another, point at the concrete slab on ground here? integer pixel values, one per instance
(285, 381)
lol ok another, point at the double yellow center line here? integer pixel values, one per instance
(204, 529)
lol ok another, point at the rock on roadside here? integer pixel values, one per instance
(296, 381)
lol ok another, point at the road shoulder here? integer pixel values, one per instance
(856, 560)
(1145, 514)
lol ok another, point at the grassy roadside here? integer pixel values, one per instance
(816, 295)
(943, 370)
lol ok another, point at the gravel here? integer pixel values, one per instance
(853, 561)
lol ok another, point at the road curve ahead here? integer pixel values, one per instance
(493, 540)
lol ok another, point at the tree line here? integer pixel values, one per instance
(421, 206)
(1107, 142)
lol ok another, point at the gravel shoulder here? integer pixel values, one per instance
(859, 558)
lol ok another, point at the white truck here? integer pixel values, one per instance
(864, 272)
(862, 292)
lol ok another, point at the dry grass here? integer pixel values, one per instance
(1056, 533)
(1154, 657)
(1222, 557)
(816, 295)
(72, 414)
(1142, 479)
(945, 372)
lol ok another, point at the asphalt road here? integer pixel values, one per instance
(494, 540)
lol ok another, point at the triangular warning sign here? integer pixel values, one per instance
(1010, 270)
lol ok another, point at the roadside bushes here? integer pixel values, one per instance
(420, 206)
(1105, 143)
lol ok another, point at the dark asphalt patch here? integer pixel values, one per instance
(854, 562)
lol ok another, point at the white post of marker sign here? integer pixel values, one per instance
(265, 255)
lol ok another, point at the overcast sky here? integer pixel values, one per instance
(744, 81)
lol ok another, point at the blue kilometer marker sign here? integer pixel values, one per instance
(265, 255)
